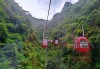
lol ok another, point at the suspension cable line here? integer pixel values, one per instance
(45, 27)
(45, 41)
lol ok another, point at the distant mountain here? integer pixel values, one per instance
(58, 17)
(15, 9)
(69, 10)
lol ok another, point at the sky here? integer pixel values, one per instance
(39, 8)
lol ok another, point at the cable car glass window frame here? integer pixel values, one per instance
(83, 44)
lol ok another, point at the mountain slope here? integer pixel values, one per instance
(74, 10)
(17, 10)
(17, 36)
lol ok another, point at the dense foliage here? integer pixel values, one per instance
(15, 31)
(84, 13)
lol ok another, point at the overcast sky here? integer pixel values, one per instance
(39, 8)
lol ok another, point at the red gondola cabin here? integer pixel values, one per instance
(81, 44)
(56, 42)
(44, 43)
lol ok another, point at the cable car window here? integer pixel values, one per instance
(83, 44)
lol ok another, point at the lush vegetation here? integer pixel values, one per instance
(86, 14)
(20, 46)
(15, 38)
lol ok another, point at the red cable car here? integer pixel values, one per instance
(56, 42)
(81, 44)
(44, 43)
